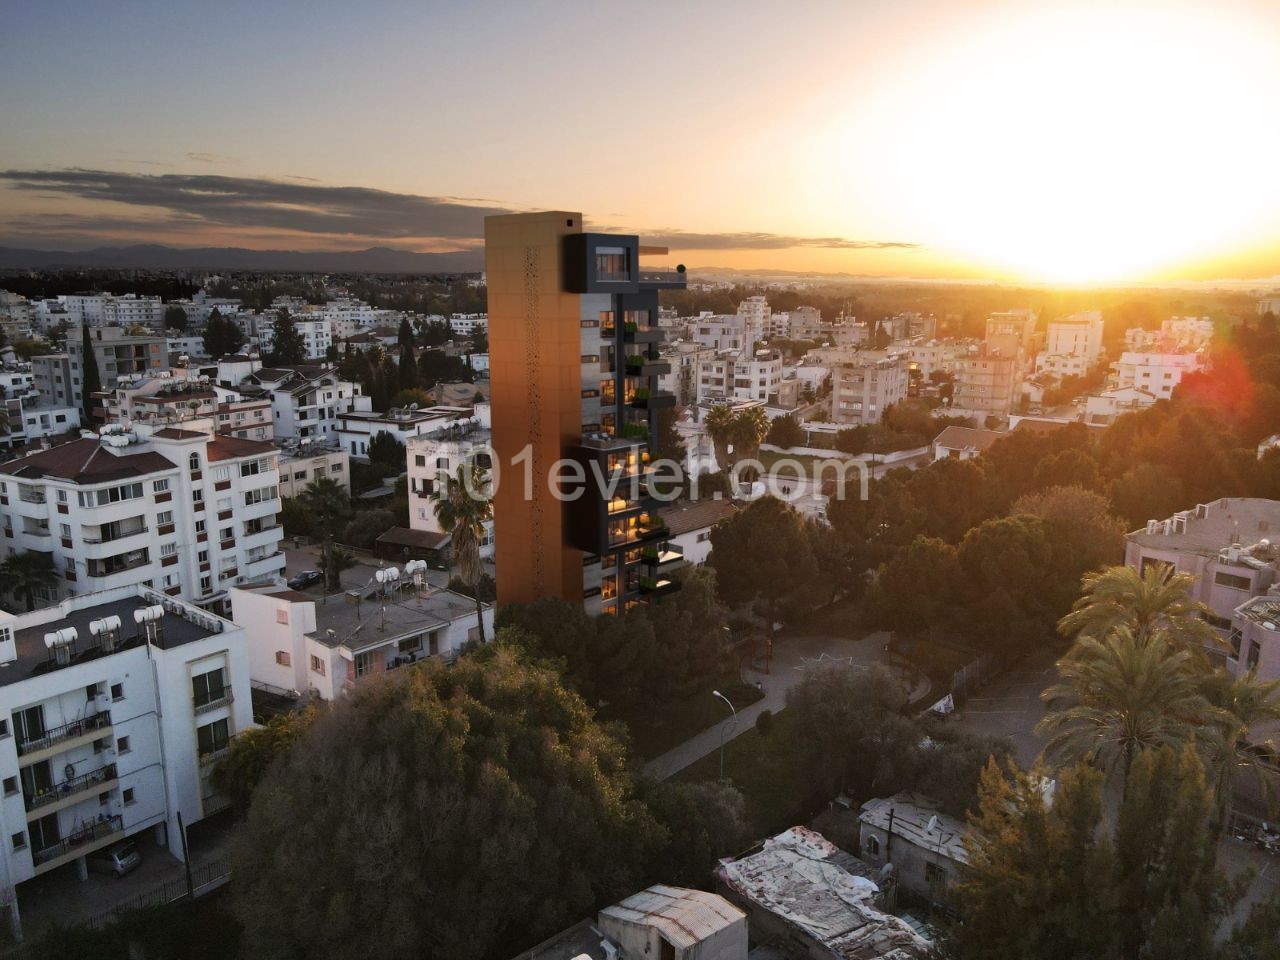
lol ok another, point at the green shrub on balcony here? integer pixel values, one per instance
(641, 393)
(635, 361)
(637, 431)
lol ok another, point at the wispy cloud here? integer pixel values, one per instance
(763, 241)
(192, 204)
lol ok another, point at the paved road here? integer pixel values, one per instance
(791, 656)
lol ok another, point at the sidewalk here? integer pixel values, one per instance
(791, 656)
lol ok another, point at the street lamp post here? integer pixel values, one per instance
(724, 727)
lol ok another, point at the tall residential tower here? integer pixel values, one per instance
(573, 346)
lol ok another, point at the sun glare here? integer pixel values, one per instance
(1086, 145)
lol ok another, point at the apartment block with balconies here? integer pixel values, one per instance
(110, 723)
(184, 511)
(574, 371)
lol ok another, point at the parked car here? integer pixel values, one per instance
(116, 860)
(305, 579)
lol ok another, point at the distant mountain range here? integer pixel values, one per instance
(158, 257)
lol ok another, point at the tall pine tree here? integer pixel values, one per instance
(288, 346)
(408, 366)
(90, 379)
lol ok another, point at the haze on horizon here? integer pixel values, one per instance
(1072, 142)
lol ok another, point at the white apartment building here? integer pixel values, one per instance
(467, 324)
(985, 384)
(30, 419)
(866, 385)
(1269, 305)
(301, 648)
(305, 401)
(739, 375)
(111, 719)
(185, 511)
(681, 378)
(1156, 373)
(804, 323)
(1073, 345)
(305, 460)
(356, 429)
(936, 355)
(316, 334)
(438, 454)
(759, 315)
(725, 332)
(17, 307)
(99, 309)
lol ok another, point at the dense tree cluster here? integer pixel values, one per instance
(659, 653)
(468, 812)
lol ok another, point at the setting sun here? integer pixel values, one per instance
(1080, 145)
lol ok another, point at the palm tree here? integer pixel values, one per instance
(1156, 601)
(333, 560)
(329, 504)
(1120, 695)
(750, 427)
(463, 507)
(1245, 703)
(719, 423)
(25, 573)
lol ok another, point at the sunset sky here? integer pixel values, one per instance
(1057, 142)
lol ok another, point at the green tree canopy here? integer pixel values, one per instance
(288, 346)
(466, 812)
(762, 554)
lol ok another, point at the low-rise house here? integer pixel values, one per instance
(963, 443)
(433, 456)
(924, 846)
(1102, 409)
(303, 461)
(325, 649)
(357, 428)
(805, 895)
(660, 923)
(306, 401)
(111, 719)
(689, 524)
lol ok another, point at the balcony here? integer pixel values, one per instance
(32, 497)
(93, 836)
(69, 735)
(634, 333)
(68, 792)
(644, 399)
(213, 756)
(111, 536)
(641, 366)
(656, 557)
(658, 586)
(662, 278)
(649, 527)
(263, 565)
(101, 569)
(212, 700)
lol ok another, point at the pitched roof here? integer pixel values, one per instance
(692, 515)
(223, 447)
(174, 433)
(1040, 425)
(86, 461)
(966, 438)
(684, 917)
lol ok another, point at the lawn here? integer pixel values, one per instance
(767, 771)
(670, 724)
(770, 457)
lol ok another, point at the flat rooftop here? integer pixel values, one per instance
(34, 657)
(912, 817)
(380, 619)
(1242, 520)
(1262, 610)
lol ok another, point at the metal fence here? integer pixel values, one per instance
(205, 878)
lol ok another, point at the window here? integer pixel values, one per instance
(934, 873)
(873, 846)
(213, 737)
(317, 665)
(226, 533)
(4, 728)
(10, 786)
(168, 549)
(335, 468)
(117, 691)
(19, 840)
(1255, 651)
(193, 461)
(104, 799)
(283, 658)
(122, 745)
(127, 796)
(160, 486)
(1231, 580)
(164, 516)
(420, 460)
(197, 495)
(261, 495)
(207, 688)
(62, 496)
(202, 556)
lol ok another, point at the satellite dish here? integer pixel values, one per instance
(932, 825)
